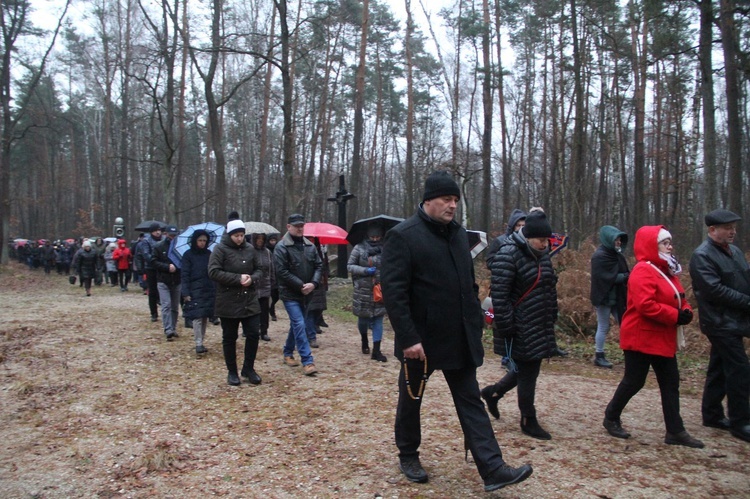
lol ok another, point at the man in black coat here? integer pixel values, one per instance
(168, 283)
(431, 298)
(721, 281)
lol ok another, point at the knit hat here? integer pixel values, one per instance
(86, 243)
(720, 217)
(663, 234)
(233, 215)
(438, 184)
(154, 227)
(537, 225)
(235, 226)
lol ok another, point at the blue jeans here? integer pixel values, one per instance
(602, 326)
(302, 324)
(374, 323)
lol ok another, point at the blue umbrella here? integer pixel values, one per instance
(181, 243)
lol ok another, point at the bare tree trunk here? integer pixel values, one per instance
(263, 153)
(410, 199)
(707, 96)
(639, 55)
(359, 121)
(485, 210)
(734, 131)
(507, 172)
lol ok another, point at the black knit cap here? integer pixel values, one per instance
(438, 184)
(719, 217)
(537, 225)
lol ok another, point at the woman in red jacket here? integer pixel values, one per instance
(655, 311)
(124, 258)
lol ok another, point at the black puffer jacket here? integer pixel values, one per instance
(531, 322)
(722, 287)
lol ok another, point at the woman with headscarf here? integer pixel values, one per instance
(364, 266)
(197, 289)
(655, 313)
(235, 266)
(609, 285)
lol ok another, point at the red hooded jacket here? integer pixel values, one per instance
(650, 321)
(122, 255)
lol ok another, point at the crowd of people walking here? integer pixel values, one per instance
(420, 274)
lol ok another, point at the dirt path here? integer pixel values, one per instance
(95, 403)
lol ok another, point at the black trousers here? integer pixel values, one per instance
(728, 375)
(474, 421)
(274, 299)
(264, 308)
(229, 331)
(525, 380)
(667, 375)
(153, 290)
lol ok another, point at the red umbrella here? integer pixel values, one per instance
(326, 233)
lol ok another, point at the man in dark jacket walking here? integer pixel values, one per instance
(143, 259)
(168, 283)
(721, 282)
(431, 299)
(299, 270)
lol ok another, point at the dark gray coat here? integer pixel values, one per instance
(225, 266)
(296, 264)
(430, 293)
(530, 322)
(721, 283)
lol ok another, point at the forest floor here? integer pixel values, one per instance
(95, 403)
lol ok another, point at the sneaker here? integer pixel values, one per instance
(491, 399)
(412, 469)
(614, 428)
(601, 361)
(170, 336)
(314, 344)
(683, 438)
(200, 349)
(265, 337)
(309, 369)
(291, 361)
(507, 475)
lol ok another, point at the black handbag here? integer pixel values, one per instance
(72, 279)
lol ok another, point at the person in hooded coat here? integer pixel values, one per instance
(266, 283)
(364, 265)
(123, 258)
(609, 285)
(197, 289)
(85, 263)
(524, 298)
(516, 220)
(649, 331)
(235, 266)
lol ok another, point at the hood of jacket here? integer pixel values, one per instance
(194, 240)
(646, 248)
(514, 218)
(121, 243)
(608, 234)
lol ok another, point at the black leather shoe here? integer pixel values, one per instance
(233, 379)
(532, 428)
(721, 424)
(683, 438)
(741, 432)
(614, 428)
(154, 318)
(491, 399)
(252, 377)
(412, 469)
(506, 475)
(265, 337)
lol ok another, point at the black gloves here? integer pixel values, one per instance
(684, 317)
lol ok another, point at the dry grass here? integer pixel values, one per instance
(94, 403)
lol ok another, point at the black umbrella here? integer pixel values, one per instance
(358, 232)
(145, 226)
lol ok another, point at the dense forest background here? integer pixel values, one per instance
(609, 111)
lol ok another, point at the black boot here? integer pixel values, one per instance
(601, 361)
(531, 427)
(365, 344)
(491, 398)
(376, 355)
(248, 366)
